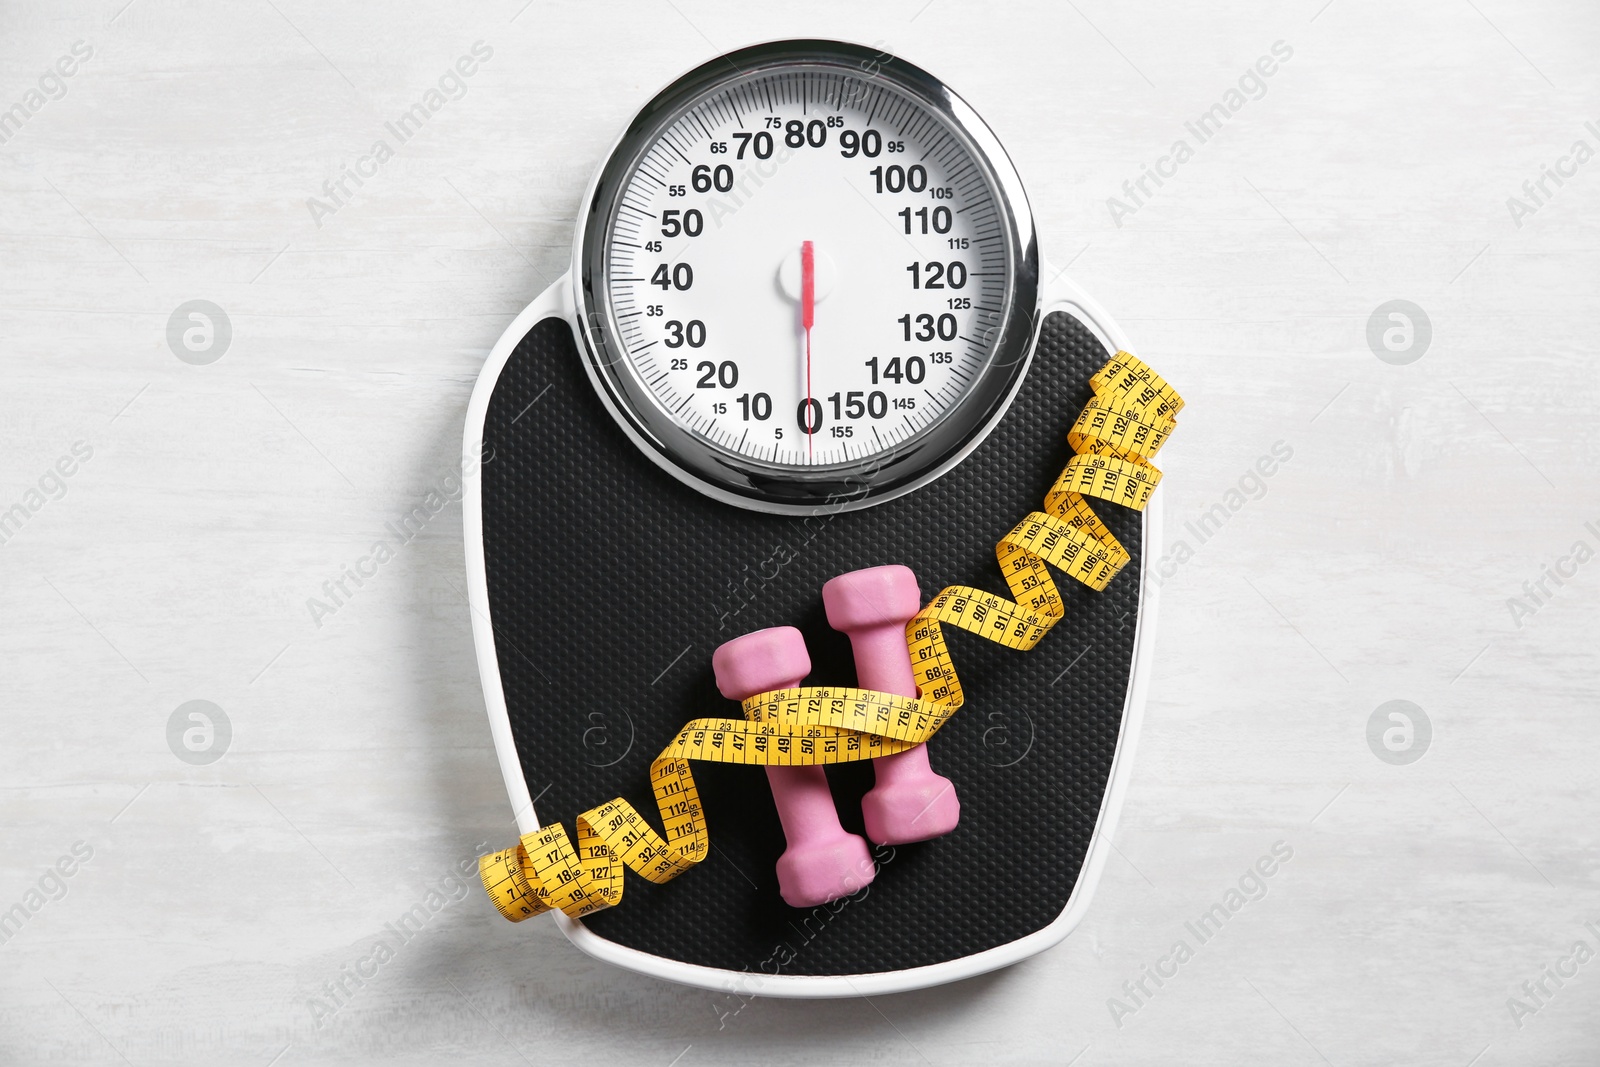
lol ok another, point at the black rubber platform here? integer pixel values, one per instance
(610, 584)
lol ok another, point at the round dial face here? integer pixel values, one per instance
(803, 274)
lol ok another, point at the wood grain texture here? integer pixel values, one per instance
(175, 563)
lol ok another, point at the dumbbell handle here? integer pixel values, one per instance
(804, 800)
(882, 663)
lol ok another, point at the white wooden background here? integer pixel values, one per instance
(175, 563)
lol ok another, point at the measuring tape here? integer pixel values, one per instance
(1129, 417)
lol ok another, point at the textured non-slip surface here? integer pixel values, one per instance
(610, 584)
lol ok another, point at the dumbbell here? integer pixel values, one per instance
(823, 861)
(909, 802)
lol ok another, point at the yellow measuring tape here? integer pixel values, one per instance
(1129, 417)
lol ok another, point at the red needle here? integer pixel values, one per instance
(808, 315)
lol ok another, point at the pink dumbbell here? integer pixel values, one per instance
(823, 861)
(909, 802)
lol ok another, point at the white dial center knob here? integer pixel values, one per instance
(789, 273)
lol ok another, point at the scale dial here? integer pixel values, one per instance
(807, 278)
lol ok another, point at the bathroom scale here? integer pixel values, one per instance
(807, 330)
